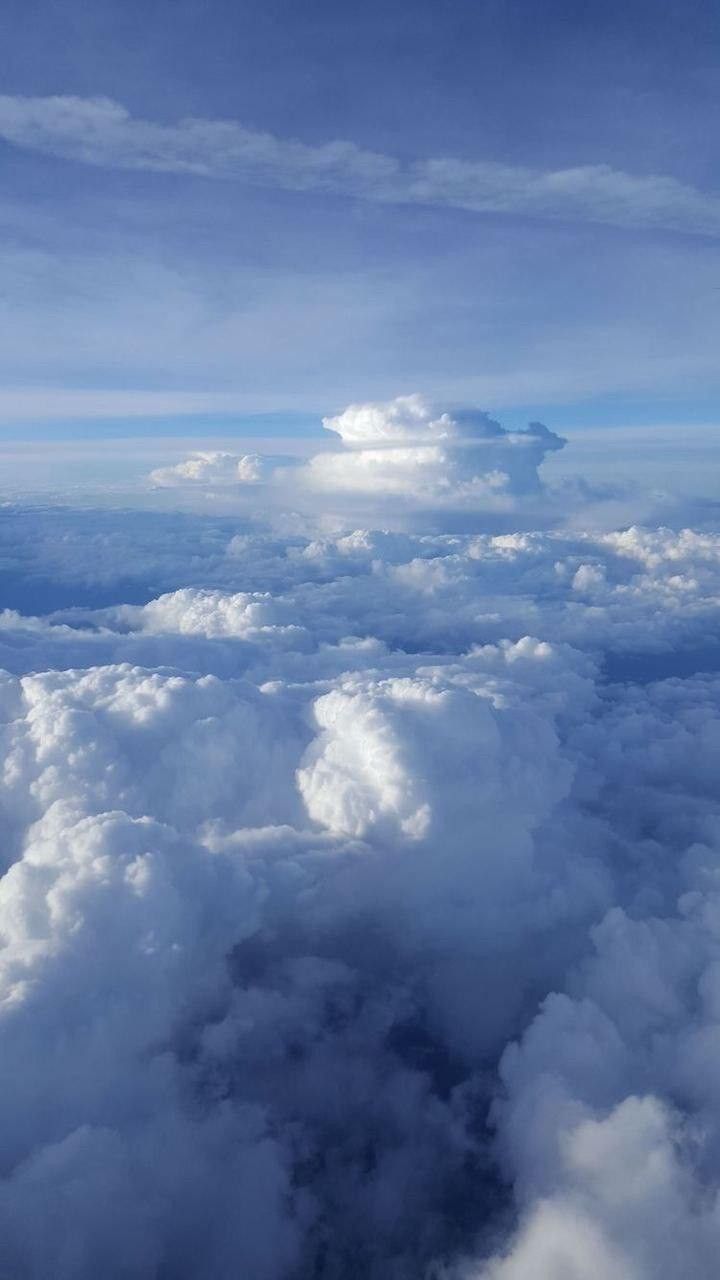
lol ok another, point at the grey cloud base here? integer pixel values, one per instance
(359, 903)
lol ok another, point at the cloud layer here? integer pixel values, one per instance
(359, 906)
(99, 131)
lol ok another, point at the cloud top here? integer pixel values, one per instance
(360, 892)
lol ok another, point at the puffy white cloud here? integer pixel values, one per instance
(360, 901)
(212, 467)
(428, 459)
(407, 447)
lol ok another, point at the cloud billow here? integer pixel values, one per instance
(359, 906)
(432, 463)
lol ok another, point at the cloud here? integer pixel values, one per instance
(99, 131)
(408, 447)
(427, 459)
(359, 907)
(121, 857)
(212, 467)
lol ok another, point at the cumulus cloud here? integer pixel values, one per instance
(359, 907)
(212, 467)
(407, 447)
(433, 463)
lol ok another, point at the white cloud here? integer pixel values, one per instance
(408, 447)
(427, 459)
(351, 916)
(212, 467)
(100, 131)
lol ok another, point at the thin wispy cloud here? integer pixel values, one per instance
(101, 132)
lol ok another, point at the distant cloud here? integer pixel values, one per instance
(407, 447)
(99, 131)
(425, 458)
(211, 467)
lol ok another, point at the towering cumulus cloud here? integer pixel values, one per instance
(406, 462)
(360, 894)
(407, 447)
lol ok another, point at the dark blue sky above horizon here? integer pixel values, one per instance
(141, 296)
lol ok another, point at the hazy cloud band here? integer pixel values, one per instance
(99, 131)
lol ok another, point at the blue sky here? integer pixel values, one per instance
(524, 212)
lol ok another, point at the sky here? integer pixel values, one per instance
(359, 657)
(225, 218)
